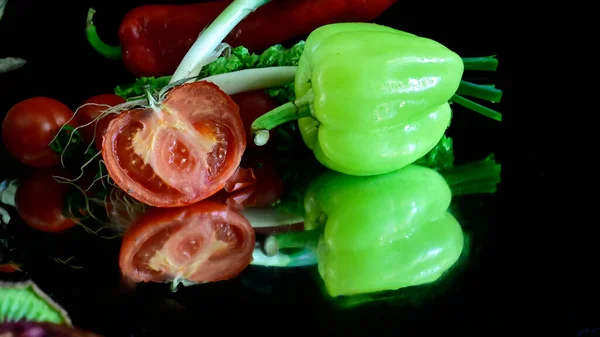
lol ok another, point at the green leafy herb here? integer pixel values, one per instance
(68, 142)
(136, 89)
(239, 59)
(283, 94)
(25, 301)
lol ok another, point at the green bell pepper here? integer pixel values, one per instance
(384, 232)
(380, 232)
(372, 99)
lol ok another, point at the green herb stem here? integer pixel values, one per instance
(301, 239)
(480, 177)
(300, 258)
(486, 63)
(485, 92)
(69, 138)
(260, 217)
(485, 111)
(108, 51)
(213, 35)
(253, 79)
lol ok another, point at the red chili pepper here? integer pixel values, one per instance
(155, 38)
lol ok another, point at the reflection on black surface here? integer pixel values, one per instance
(61, 65)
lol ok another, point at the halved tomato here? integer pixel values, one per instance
(179, 152)
(204, 242)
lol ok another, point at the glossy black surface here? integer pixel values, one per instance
(61, 65)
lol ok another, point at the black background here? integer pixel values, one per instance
(492, 295)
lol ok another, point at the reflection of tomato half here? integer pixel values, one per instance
(179, 152)
(204, 242)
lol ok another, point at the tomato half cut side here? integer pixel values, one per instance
(179, 152)
(204, 242)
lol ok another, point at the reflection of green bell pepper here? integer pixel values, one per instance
(379, 232)
(373, 99)
(384, 232)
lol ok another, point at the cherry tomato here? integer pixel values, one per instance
(269, 184)
(179, 152)
(203, 242)
(40, 202)
(253, 104)
(88, 113)
(257, 185)
(29, 127)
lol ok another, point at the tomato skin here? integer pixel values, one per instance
(269, 184)
(40, 200)
(199, 227)
(88, 113)
(180, 152)
(254, 104)
(29, 127)
(259, 186)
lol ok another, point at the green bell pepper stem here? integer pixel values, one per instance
(495, 115)
(487, 63)
(480, 177)
(290, 111)
(485, 92)
(302, 239)
(108, 51)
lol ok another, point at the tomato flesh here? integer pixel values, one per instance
(204, 242)
(180, 152)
